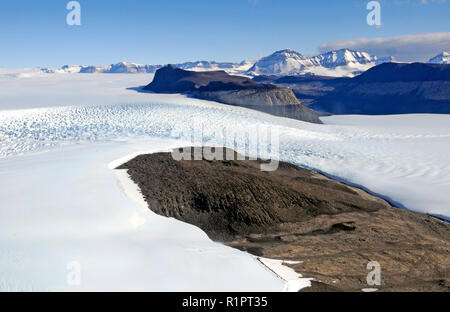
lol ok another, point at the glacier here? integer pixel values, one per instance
(61, 202)
(366, 150)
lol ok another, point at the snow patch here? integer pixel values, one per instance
(369, 290)
(294, 281)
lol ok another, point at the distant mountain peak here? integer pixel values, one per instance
(343, 57)
(343, 62)
(286, 53)
(442, 58)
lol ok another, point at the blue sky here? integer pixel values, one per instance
(35, 33)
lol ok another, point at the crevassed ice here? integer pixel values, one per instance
(404, 158)
(32, 130)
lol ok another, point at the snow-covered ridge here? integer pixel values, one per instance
(442, 58)
(338, 63)
(122, 67)
(342, 57)
(385, 59)
(281, 62)
(231, 68)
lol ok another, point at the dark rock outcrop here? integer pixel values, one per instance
(299, 215)
(171, 79)
(389, 88)
(233, 90)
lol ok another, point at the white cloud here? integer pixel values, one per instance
(407, 48)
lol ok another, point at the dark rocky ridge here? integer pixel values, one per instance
(389, 88)
(171, 79)
(233, 90)
(404, 72)
(297, 214)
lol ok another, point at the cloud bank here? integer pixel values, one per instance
(407, 48)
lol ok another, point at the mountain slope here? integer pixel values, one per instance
(391, 88)
(443, 58)
(342, 57)
(338, 63)
(323, 227)
(233, 90)
(283, 62)
(404, 72)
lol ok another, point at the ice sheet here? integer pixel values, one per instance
(66, 207)
(59, 201)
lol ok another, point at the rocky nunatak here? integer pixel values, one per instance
(299, 215)
(233, 90)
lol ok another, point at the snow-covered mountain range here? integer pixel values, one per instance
(442, 58)
(133, 68)
(340, 63)
(122, 67)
